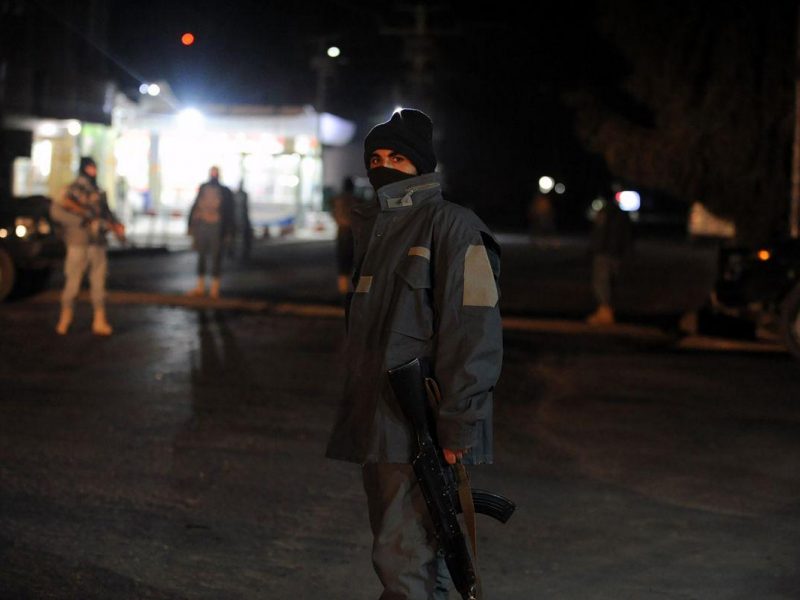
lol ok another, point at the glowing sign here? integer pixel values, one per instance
(628, 200)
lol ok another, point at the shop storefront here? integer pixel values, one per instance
(156, 153)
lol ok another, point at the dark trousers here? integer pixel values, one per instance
(605, 271)
(208, 243)
(404, 546)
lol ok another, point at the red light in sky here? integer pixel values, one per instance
(187, 39)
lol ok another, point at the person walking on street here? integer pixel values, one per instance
(611, 242)
(83, 212)
(210, 225)
(343, 204)
(541, 217)
(426, 273)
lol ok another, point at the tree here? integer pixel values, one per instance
(705, 111)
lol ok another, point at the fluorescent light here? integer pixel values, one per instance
(48, 129)
(190, 117)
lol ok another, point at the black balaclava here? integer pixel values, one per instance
(85, 162)
(410, 133)
(381, 176)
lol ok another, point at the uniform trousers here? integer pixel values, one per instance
(605, 271)
(78, 259)
(208, 243)
(404, 552)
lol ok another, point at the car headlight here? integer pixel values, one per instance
(28, 226)
(43, 227)
(24, 226)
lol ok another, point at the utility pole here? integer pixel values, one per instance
(418, 43)
(324, 63)
(794, 210)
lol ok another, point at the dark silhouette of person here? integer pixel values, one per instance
(611, 242)
(210, 225)
(342, 205)
(243, 226)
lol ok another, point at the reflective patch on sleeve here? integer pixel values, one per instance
(364, 283)
(479, 286)
(420, 251)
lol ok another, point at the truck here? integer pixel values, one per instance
(761, 285)
(30, 245)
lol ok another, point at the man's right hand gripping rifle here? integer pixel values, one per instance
(89, 206)
(443, 479)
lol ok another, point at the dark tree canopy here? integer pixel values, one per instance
(706, 110)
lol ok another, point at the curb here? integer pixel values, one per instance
(520, 324)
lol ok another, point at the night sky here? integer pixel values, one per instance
(496, 75)
(498, 72)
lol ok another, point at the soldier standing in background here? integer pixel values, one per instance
(343, 204)
(210, 225)
(84, 214)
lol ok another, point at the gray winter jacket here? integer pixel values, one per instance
(425, 286)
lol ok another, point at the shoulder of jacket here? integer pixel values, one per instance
(460, 225)
(459, 218)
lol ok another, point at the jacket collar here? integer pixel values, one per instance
(409, 192)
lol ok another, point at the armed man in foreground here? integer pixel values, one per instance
(425, 303)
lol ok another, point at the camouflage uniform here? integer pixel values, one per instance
(85, 238)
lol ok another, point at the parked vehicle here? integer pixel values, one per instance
(762, 285)
(29, 244)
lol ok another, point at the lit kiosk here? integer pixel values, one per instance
(163, 151)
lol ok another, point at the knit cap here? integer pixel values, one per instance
(410, 133)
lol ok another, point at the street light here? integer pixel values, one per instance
(324, 67)
(546, 184)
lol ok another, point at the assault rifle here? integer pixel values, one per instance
(439, 481)
(92, 218)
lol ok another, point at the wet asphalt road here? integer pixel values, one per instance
(182, 459)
